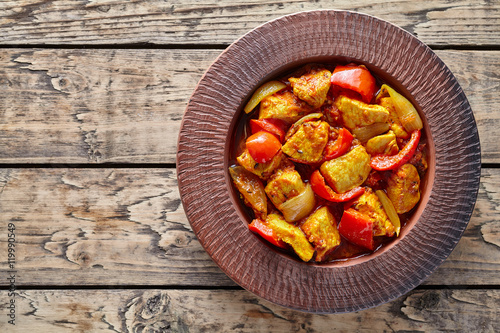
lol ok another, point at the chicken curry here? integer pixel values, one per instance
(329, 162)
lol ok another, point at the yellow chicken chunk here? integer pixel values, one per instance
(403, 188)
(292, 235)
(369, 204)
(283, 185)
(355, 113)
(263, 170)
(347, 171)
(321, 230)
(308, 143)
(383, 144)
(312, 87)
(285, 106)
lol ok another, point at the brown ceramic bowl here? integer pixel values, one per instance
(217, 215)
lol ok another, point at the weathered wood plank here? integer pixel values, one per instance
(93, 106)
(436, 22)
(238, 310)
(79, 106)
(127, 227)
(477, 74)
(104, 226)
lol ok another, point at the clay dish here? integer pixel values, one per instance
(216, 213)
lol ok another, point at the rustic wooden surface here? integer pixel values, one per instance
(107, 105)
(107, 247)
(175, 310)
(436, 22)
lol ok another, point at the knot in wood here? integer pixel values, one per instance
(429, 300)
(153, 305)
(69, 83)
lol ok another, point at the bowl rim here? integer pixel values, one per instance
(209, 121)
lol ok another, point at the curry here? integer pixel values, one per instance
(329, 162)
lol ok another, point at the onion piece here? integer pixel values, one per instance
(407, 114)
(390, 210)
(299, 206)
(262, 92)
(365, 133)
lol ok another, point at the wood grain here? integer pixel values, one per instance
(436, 22)
(91, 106)
(127, 227)
(158, 310)
(120, 228)
(96, 106)
(100, 227)
(476, 74)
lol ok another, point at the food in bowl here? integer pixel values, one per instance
(329, 160)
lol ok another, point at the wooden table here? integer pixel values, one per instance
(92, 94)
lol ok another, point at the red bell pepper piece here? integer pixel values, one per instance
(384, 162)
(273, 126)
(356, 78)
(320, 187)
(267, 233)
(262, 146)
(357, 228)
(340, 146)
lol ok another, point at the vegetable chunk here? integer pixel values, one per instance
(356, 78)
(355, 113)
(369, 204)
(312, 87)
(403, 188)
(347, 171)
(357, 228)
(321, 230)
(308, 143)
(262, 146)
(284, 106)
(292, 235)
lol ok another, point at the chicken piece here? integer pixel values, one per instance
(308, 143)
(347, 171)
(383, 144)
(369, 204)
(290, 234)
(283, 185)
(251, 189)
(403, 188)
(284, 105)
(321, 230)
(394, 122)
(355, 113)
(312, 87)
(263, 170)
